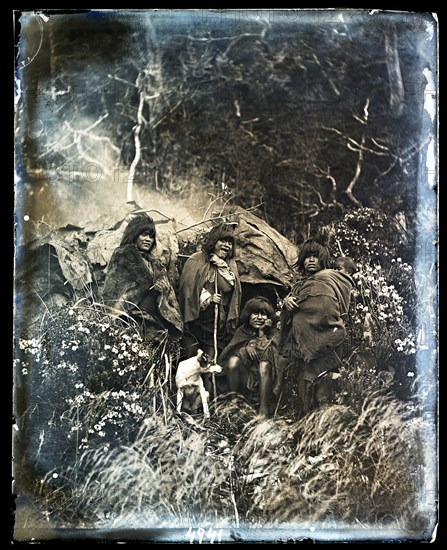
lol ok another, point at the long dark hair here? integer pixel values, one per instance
(313, 248)
(258, 304)
(221, 232)
(137, 225)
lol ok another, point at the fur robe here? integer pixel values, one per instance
(130, 280)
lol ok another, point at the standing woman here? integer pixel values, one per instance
(210, 293)
(313, 329)
(137, 284)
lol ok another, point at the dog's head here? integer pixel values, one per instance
(214, 368)
(206, 363)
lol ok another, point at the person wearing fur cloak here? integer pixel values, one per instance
(207, 304)
(137, 284)
(313, 330)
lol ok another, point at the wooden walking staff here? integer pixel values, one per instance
(216, 323)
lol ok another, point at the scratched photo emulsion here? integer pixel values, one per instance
(225, 276)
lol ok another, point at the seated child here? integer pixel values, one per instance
(248, 358)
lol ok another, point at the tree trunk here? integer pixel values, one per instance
(394, 74)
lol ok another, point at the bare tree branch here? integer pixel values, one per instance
(354, 145)
(387, 171)
(152, 210)
(354, 180)
(413, 150)
(113, 77)
(328, 78)
(219, 197)
(179, 102)
(380, 146)
(357, 147)
(137, 156)
(226, 217)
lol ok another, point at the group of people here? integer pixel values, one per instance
(258, 352)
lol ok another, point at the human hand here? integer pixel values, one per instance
(216, 298)
(291, 303)
(252, 353)
(161, 284)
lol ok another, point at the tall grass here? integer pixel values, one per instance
(336, 463)
(178, 472)
(107, 448)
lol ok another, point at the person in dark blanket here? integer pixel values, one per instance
(248, 360)
(312, 329)
(137, 285)
(210, 294)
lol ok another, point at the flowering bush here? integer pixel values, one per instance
(92, 377)
(381, 321)
(369, 234)
(378, 319)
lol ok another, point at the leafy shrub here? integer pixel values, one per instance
(382, 321)
(89, 379)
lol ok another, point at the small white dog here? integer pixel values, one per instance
(190, 384)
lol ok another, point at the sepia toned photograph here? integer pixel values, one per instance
(225, 297)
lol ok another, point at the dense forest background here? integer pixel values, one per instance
(305, 113)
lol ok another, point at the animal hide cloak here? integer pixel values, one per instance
(318, 326)
(195, 273)
(129, 282)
